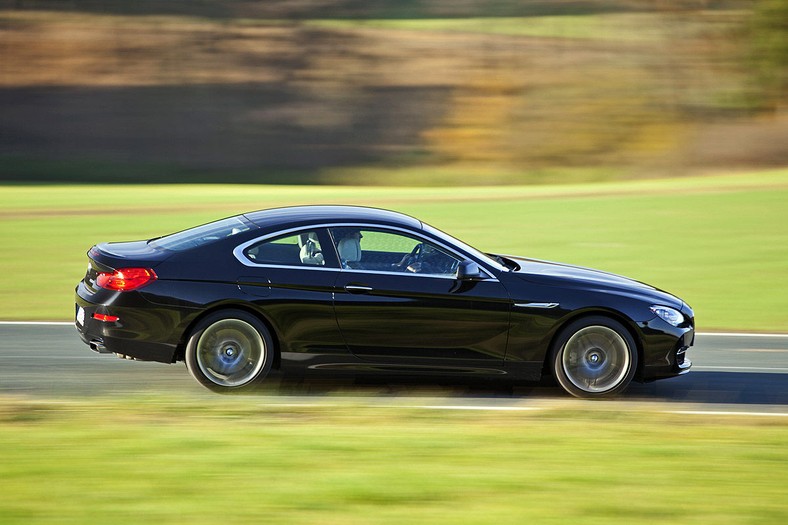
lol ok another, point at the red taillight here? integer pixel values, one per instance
(106, 318)
(126, 279)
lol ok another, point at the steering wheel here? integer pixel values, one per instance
(411, 261)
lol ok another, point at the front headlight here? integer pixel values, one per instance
(668, 314)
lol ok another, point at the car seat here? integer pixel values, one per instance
(310, 252)
(349, 250)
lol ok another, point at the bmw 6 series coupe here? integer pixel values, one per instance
(359, 290)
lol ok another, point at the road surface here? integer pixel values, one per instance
(50, 361)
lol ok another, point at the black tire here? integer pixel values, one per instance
(594, 357)
(229, 351)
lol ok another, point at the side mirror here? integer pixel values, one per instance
(470, 271)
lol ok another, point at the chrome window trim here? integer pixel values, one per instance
(451, 252)
(238, 251)
(384, 227)
(408, 274)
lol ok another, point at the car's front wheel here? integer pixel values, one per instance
(229, 351)
(594, 357)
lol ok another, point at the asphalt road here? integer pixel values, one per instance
(50, 361)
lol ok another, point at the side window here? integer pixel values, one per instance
(375, 250)
(301, 249)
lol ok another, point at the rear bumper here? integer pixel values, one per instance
(147, 334)
(103, 344)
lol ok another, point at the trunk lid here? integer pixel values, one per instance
(110, 256)
(134, 253)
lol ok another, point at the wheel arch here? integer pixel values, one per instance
(624, 320)
(244, 307)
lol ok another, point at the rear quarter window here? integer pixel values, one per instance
(301, 249)
(202, 235)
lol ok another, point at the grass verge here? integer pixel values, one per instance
(152, 460)
(718, 242)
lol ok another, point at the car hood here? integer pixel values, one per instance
(547, 273)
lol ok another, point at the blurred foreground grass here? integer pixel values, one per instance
(719, 242)
(157, 460)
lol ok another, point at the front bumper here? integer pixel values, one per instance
(683, 362)
(665, 347)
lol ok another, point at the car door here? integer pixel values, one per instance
(398, 301)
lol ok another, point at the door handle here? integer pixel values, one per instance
(357, 288)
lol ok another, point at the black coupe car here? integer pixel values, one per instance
(362, 290)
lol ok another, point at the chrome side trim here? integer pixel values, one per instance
(536, 305)
(357, 288)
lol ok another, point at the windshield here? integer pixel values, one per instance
(201, 235)
(466, 248)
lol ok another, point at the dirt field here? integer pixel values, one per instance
(245, 96)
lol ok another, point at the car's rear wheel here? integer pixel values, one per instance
(594, 357)
(229, 351)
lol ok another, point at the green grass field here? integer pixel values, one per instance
(636, 27)
(719, 242)
(240, 461)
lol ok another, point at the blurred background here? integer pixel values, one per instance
(412, 92)
(329, 94)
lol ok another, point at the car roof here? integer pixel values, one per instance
(303, 215)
